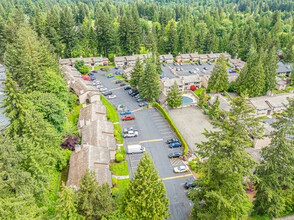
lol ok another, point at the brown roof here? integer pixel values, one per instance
(94, 111)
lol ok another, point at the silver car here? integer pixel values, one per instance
(112, 96)
(102, 89)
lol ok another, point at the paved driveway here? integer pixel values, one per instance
(153, 132)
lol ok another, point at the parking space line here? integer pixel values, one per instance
(150, 141)
(137, 110)
(175, 161)
(175, 177)
(117, 88)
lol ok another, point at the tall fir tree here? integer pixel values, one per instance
(275, 173)
(137, 73)
(149, 82)
(171, 35)
(270, 67)
(219, 78)
(174, 97)
(145, 196)
(94, 201)
(123, 33)
(220, 192)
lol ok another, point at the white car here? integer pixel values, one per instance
(181, 169)
(131, 134)
(127, 130)
(102, 89)
(112, 96)
(181, 64)
(99, 86)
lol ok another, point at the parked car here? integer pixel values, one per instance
(126, 130)
(90, 74)
(163, 64)
(122, 84)
(131, 134)
(223, 94)
(107, 93)
(128, 118)
(181, 169)
(102, 69)
(127, 88)
(181, 69)
(181, 64)
(142, 104)
(172, 140)
(209, 63)
(205, 68)
(102, 89)
(126, 112)
(175, 154)
(190, 184)
(175, 64)
(192, 63)
(176, 144)
(233, 71)
(92, 78)
(133, 149)
(137, 96)
(197, 64)
(112, 96)
(110, 76)
(117, 73)
(118, 81)
(99, 86)
(140, 100)
(134, 93)
(116, 68)
(200, 63)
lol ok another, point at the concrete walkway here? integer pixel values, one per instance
(121, 177)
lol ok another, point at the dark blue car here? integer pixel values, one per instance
(126, 112)
(176, 144)
(90, 74)
(92, 78)
(127, 88)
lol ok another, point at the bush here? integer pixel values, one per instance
(83, 69)
(166, 116)
(119, 157)
(193, 167)
(115, 191)
(191, 163)
(195, 159)
(114, 181)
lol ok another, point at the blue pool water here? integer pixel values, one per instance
(186, 100)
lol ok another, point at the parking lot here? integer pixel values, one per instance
(204, 69)
(153, 133)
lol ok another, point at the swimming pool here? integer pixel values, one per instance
(186, 100)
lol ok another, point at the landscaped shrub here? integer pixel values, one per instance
(114, 181)
(119, 157)
(70, 142)
(193, 167)
(166, 116)
(191, 163)
(115, 191)
(195, 159)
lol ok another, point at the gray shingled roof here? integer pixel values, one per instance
(283, 67)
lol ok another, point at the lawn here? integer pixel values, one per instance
(99, 67)
(120, 169)
(122, 184)
(111, 112)
(198, 91)
(118, 134)
(119, 77)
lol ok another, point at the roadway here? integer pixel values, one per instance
(153, 132)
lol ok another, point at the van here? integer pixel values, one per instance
(135, 149)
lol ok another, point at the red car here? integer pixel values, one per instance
(128, 118)
(233, 71)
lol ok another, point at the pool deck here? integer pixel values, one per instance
(191, 96)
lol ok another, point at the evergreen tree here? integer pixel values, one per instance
(275, 173)
(174, 97)
(219, 78)
(171, 34)
(67, 204)
(149, 82)
(214, 110)
(94, 201)
(137, 73)
(145, 196)
(158, 63)
(252, 78)
(270, 67)
(220, 193)
(123, 34)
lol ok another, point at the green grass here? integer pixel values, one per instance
(99, 67)
(198, 91)
(120, 169)
(90, 68)
(122, 184)
(74, 116)
(117, 131)
(111, 112)
(119, 77)
(282, 91)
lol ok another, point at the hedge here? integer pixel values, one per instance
(114, 181)
(166, 116)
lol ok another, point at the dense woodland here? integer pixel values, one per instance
(34, 34)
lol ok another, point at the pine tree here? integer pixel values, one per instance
(145, 196)
(66, 207)
(174, 97)
(219, 78)
(270, 66)
(123, 34)
(252, 78)
(149, 82)
(214, 110)
(275, 173)
(137, 73)
(220, 193)
(94, 201)
(171, 34)
(158, 63)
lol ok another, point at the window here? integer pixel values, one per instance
(186, 84)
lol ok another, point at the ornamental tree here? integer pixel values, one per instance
(145, 196)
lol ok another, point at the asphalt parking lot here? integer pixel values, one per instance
(189, 67)
(153, 133)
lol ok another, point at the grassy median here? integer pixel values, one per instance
(112, 114)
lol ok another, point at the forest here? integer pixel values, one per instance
(34, 34)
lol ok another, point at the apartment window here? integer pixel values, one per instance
(186, 84)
